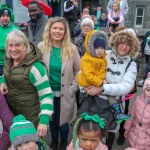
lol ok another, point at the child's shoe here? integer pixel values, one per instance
(119, 116)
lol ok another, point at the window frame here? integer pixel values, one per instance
(135, 25)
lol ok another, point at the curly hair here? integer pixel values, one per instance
(126, 36)
(67, 47)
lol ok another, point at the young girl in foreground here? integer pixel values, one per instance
(137, 130)
(88, 132)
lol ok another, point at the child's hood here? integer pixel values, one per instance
(91, 37)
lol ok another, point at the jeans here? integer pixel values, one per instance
(55, 127)
(1, 70)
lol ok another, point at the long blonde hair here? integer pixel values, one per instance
(67, 47)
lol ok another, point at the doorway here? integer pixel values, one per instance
(89, 4)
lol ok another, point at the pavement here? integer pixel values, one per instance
(115, 146)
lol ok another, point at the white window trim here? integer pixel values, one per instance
(139, 26)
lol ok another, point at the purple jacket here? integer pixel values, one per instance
(6, 117)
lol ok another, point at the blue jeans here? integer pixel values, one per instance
(1, 70)
(55, 128)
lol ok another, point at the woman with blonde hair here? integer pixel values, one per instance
(62, 61)
(121, 72)
(123, 5)
(25, 82)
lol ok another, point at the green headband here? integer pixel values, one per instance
(85, 116)
(94, 118)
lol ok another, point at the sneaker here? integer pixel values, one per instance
(63, 145)
(121, 140)
(141, 83)
(54, 145)
(122, 117)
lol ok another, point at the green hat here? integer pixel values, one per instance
(4, 9)
(22, 131)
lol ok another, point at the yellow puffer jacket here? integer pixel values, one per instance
(93, 69)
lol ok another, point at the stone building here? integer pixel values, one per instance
(138, 15)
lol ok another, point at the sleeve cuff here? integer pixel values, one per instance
(44, 119)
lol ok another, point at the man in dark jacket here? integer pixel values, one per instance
(98, 12)
(36, 24)
(103, 20)
(72, 14)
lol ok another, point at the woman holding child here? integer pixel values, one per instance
(121, 70)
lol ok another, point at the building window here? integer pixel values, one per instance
(139, 18)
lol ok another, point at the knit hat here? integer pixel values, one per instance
(5, 11)
(147, 82)
(100, 42)
(22, 131)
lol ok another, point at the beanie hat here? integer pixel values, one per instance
(22, 131)
(147, 82)
(5, 11)
(100, 42)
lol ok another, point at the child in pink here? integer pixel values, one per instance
(137, 129)
(115, 17)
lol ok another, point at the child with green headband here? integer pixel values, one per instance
(87, 133)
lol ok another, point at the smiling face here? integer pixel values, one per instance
(34, 11)
(123, 49)
(5, 19)
(57, 32)
(88, 140)
(16, 50)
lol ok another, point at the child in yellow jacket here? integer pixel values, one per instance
(93, 63)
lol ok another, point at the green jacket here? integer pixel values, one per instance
(22, 96)
(4, 30)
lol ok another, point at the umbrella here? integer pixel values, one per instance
(46, 9)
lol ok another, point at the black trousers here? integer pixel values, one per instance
(110, 140)
(121, 130)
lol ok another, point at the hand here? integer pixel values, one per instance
(3, 88)
(126, 134)
(92, 90)
(42, 130)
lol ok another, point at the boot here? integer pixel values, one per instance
(54, 145)
(63, 145)
(119, 116)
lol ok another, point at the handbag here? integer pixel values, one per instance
(97, 105)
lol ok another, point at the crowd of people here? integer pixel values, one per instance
(67, 61)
